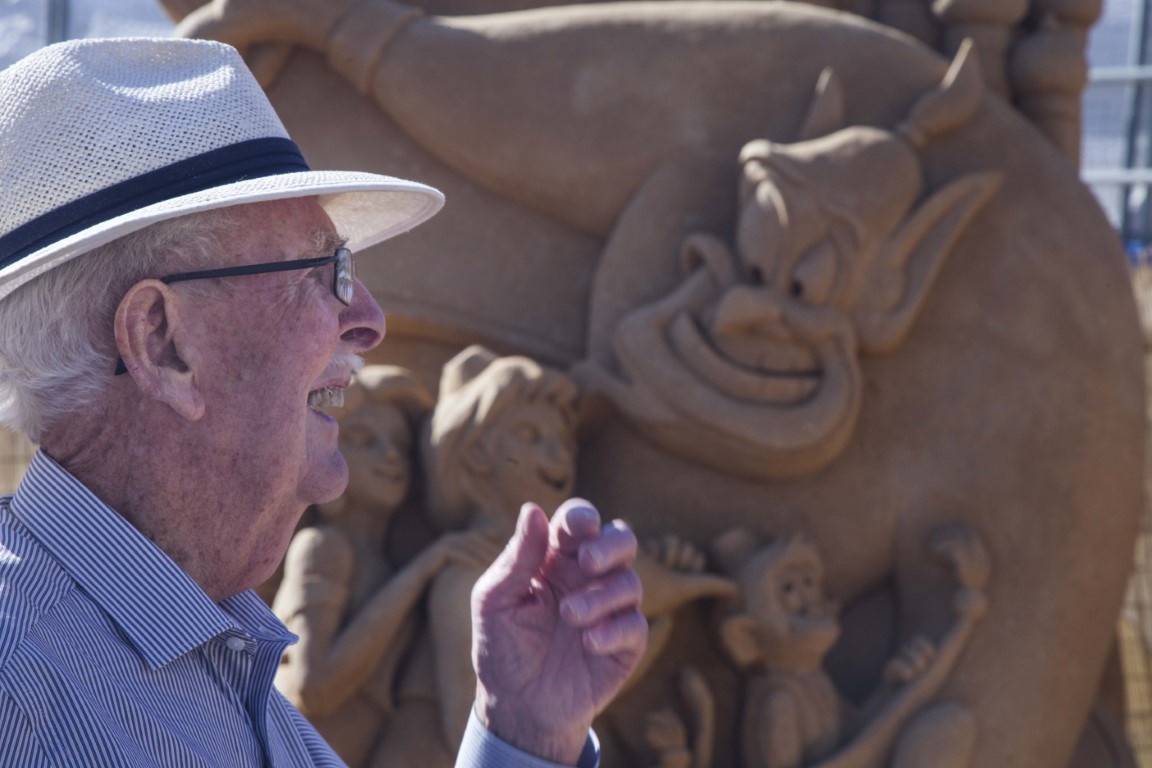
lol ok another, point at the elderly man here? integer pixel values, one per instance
(177, 310)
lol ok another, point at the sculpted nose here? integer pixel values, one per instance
(362, 321)
(556, 450)
(745, 309)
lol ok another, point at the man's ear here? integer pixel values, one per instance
(906, 265)
(147, 324)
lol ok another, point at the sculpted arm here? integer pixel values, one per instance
(449, 607)
(311, 602)
(531, 149)
(335, 663)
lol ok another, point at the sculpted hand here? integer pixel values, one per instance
(466, 549)
(965, 551)
(241, 23)
(913, 660)
(556, 629)
(667, 738)
(672, 572)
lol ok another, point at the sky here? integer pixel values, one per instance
(24, 27)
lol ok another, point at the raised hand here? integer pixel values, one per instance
(963, 549)
(556, 629)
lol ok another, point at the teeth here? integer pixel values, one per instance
(327, 397)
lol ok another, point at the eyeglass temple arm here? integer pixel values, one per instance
(249, 269)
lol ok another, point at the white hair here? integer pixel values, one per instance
(57, 343)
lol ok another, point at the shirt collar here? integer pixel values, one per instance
(162, 612)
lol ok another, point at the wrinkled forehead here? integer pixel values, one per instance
(295, 228)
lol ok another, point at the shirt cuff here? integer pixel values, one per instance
(482, 749)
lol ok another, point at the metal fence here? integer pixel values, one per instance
(1135, 626)
(1117, 119)
(1117, 164)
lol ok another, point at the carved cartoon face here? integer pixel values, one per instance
(755, 355)
(532, 454)
(376, 442)
(751, 364)
(786, 580)
(796, 622)
(777, 340)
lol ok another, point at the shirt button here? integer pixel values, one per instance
(235, 643)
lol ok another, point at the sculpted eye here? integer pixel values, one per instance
(789, 594)
(815, 275)
(528, 433)
(756, 276)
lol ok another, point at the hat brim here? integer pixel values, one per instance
(366, 208)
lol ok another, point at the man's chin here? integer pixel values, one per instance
(326, 483)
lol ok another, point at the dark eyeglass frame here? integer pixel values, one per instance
(343, 277)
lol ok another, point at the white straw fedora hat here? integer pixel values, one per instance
(99, 138)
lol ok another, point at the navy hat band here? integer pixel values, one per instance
(250, 159)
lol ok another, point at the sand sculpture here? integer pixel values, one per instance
(786, 626)
(812, 279)
(351, 609)
(502, 432)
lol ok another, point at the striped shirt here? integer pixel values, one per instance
(110, 655)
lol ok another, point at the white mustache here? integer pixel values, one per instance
(344, 361)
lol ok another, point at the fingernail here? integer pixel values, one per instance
(593, 559)
(596, 639)
(574, 608)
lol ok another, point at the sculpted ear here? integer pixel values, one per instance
(906, 266)
(147, 326)
(476, 458)
(702, 249)
(738, 635)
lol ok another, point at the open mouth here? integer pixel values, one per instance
(326, 397)
(789, 385)
(557, 481)
(392, 472)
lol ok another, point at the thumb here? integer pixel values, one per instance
(523, 557)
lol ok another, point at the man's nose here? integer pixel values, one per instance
(745, 309)
(362, 323)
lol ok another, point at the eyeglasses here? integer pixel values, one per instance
(343, 277)
(342, 280)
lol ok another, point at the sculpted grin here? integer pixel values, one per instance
(558, 478)
(767, 371)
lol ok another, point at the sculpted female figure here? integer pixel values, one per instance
(503, 433)
(339, 593)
